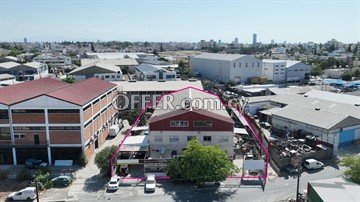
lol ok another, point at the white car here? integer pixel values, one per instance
(114, 183)
(29, 193)
(150, 183)
(313, 164)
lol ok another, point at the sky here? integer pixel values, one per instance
(174, 20)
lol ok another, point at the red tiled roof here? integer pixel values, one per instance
(82, 92)
(20, 92)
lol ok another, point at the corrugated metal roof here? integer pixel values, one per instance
(20, 92)
(335, 97)
(218, 56)
(8, 65)
(102, 65)
(117, 62)
(289, 63)
(211, 105)
(82, 92)
(321, 118)
(150, 86)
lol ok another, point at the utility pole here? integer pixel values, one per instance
(297, 186)
(37, 191)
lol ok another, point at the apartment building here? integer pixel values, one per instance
(170, 128)
(282, 71)
(54, 61)
(51, 120)
(227, 67)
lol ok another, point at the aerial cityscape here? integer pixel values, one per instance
(169, 100)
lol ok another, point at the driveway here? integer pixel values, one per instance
(88, 179)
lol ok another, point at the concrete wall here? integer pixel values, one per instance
(182, 143)
(297, 72)
(218, 70)
(245, 67)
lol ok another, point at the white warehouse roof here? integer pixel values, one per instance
(335, 97)
(218, 56)
(149, 86)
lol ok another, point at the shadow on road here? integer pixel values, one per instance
(95, 183)
(189, 193)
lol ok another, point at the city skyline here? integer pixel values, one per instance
(164, 21)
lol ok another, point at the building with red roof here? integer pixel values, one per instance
(51, 120)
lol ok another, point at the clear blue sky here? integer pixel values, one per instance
(171, 20)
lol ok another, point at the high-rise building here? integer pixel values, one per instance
(254, 39)
(25, 40)
(272, 41)
(236, 41)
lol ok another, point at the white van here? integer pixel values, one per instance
(28, 193)
(313, 164)
(114, 130)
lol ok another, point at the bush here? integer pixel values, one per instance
(82, 161)
(353, 162)
(4, 174)
(102, 160)
(43, 179)
(24, 174)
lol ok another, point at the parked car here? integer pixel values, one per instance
(32, 163)
(29, 193)
(150, 183)
(291, 170)
(265, 125)
(114, 183)
(312, 164)
(62, 180)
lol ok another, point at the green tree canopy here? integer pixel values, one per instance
(346, 77)
(201, 164)
(353, 162)
(102, 160)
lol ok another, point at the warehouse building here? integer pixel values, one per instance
(147, 72)
(227, 67)
(51, 120)
(25, 72)
(283, 71)
(333, 122)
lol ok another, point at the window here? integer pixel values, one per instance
(173, 139)
(246, 64)
(95, 102)
(151, 77)
(19, 136)
(65, 128)
(107, 76)
(65, 111)
(158, 139)
(28, 111)
(296, 70)
(87, 107)
(301, 70)
(202, 123)
(5, 133)
(28, 128)
(87, 124)
(113, 76)
(118, 76)
(170, 76)
(179, 123)
(253, 65)
(190, 138)
(258, 64)
(224, 139)
(239, 64)
(234, 65)
(4, 114)
(207, 139)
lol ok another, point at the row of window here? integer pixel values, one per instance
(205, 138)
(246, 64)
(108, 76)
(19, 128)
(181, 123)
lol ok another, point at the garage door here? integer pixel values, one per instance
(347, 137)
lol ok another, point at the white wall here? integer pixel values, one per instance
(297, 71)
(253, 69)
(215, 136)
(218, 70)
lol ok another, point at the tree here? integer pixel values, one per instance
(102, 160)
(200, 164)
(353, 162)
(346, 77)
(69, 80)
(316, 71)
(356, 73)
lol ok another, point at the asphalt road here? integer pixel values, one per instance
(277, 189)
